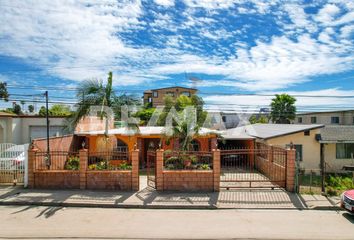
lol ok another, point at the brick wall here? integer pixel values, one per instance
(125, 180)
(273, 171)
(109, 180)
(63, 143)
(57, 179)
(188, 180)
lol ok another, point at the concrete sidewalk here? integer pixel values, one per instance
(319, 202)
(149, 198)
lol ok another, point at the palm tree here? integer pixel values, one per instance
(283, 108)
(93, 93)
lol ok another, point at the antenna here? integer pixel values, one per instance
(193, 79)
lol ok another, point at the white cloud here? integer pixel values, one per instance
(306, 100)
(72, 40)
(327, 13)
(165, 3)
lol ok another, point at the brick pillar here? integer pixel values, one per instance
(83, 154)
(135, 170)
(290, 170)
(213, 143)
(216, 169)
(159, 170)
(31, 167)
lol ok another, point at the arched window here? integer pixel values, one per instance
(121, 146)
(194, 146)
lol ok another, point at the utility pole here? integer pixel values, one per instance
(47, 118)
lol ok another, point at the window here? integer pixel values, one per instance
(149, 99)
(223, 118)
(335, 120)
(298, 151)
(188, 94)
(172, 94)
(307, 133)
(194, 146)
(299, 120)
(155, 94)
(344, 150)
(121, 146)
(313, 119)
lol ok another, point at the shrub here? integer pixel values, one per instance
(125, 166)
(204, 167)
(72, 163)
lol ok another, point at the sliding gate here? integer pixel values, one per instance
(261, 167)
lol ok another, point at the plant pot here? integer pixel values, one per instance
(187, 163)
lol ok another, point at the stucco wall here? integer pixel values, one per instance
(5, 130)
(345, 118)
(334, 164)
(310, 147)
(21, 127)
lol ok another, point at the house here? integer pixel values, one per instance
(303, 137)
(21, 129)
(337, 144)
(155, 97)
(327, 118)
(125, 139)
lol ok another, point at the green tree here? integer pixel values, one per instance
(145, 114)
(283, 108)
(31, 108)
(180, 104)
(59, 110)
(3, 91)
(261, 119)
(93, 93)
(122, 100)
(42, 111)
(17, 109)
(23, 104)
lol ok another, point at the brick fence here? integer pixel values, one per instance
(187, 180)
(126, 180)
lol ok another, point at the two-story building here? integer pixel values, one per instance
(156, 96)
(345, 117)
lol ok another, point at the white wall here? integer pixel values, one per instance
(334, 164)
(21, 127)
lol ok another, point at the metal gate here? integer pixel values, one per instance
(13, 164)
(150, 168)
(261, 167)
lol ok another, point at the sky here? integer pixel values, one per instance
(233, 47)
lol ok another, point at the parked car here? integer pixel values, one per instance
(347, 201)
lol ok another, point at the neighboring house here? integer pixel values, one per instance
(223, 120)
(303, 137)
(156, 96)
(326, 118)
(6, 127)
(337, 143)
(21, 129)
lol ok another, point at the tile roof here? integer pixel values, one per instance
(339, 133)
(266, 131)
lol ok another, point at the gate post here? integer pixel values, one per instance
(159, 170)
(290, 170)
(135, 170)
(83, 156)
(216, 169)
(31, 166)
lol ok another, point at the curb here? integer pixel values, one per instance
(95, 205)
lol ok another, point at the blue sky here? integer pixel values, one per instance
(261, 47)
